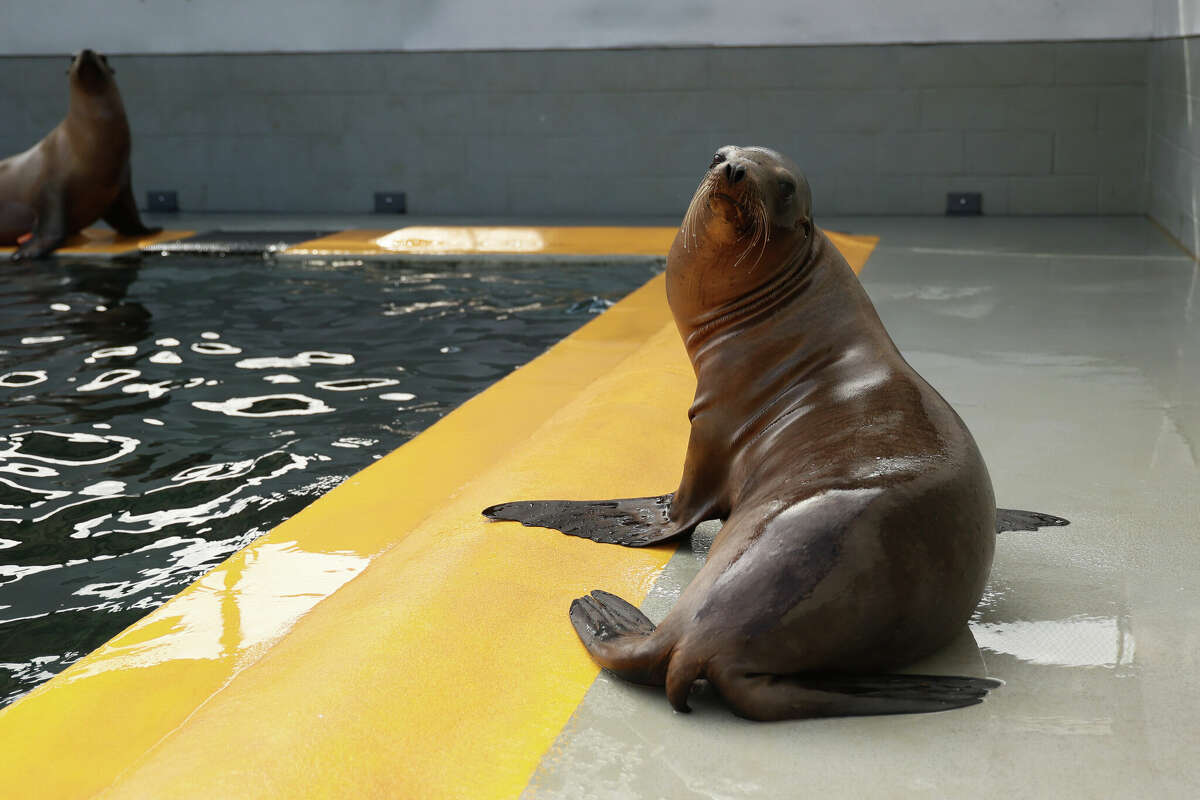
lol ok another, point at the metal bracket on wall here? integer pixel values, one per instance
(964, 204)
(390, 203)
(162, 201)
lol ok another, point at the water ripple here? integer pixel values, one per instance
(267, 405)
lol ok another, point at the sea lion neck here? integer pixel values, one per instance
(815, 310)
(744, 294)
(96, 122)
(93, 93)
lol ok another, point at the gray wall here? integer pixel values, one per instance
(1175, 18)
(1039, 128)
(1174, 149)
(33, 27)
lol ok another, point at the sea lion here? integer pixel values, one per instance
(77, 174)
(859, 516)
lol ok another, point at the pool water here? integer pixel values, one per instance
(154, 418)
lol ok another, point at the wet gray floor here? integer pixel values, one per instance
(1072, 349)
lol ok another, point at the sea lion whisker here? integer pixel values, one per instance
(766, 231)
(693, 211)
(761, 230)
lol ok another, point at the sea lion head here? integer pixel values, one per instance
(749, 220)
(90, 73)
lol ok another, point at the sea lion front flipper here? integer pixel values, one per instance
(16, 220)
(632, 522)
(769, 697)
(49, 230)
(1008, 519)
(122, 216)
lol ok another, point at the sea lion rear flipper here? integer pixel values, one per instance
(122, 216)
(768, 697)
(620, 637)
(633, 522)
(1008, 519)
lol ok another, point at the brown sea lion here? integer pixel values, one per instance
(859, 516)
(77, 174)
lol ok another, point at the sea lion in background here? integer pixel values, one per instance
(77, 174)
(859, 516)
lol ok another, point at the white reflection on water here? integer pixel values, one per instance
(109, 352)
(28, 377)
(215, 349)
(151, 390)
(106, 379)
(122, 446)
(355, 384)
(305, 359)
(103, 488)
(1080, 641)
(244, 406)
(212, 472)
(165, 357)
(394, 310)
(29, 470)
(189, 510)
(397, 396)
(354, 441)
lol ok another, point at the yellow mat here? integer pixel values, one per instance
(387, 641)
(103, 242)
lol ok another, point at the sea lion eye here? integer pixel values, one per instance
(717, 159)
(786, 189)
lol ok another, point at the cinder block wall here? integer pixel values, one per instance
(1039, 128)
(1173, 85)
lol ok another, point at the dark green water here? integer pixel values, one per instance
(155, 418)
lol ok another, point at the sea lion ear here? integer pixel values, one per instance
(803, 201)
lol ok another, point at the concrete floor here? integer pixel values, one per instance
(1072, 349)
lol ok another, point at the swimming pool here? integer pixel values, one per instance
(155, 417)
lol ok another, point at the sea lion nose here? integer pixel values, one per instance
(734, 172)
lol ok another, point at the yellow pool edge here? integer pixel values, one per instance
(105, 243)
(418, 241)
(468, 702)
